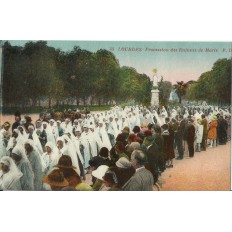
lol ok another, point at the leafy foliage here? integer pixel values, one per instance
(38, 72)
(213, 86)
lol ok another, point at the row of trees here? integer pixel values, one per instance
(213, 86)
(37, 72)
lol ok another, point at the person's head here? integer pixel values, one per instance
(136, 129)
(56, 180)
(137, 159)
(28, 146)
(67, 121)
(65, 165)
(148, 133)
(49, 147)
(75, 122)
(30, 129)
(86, 128)
(17, 116)
(104, 152)
(66, 139)
(110, 179)
(199, 121)
(123, 163)
(119, 147)
(51, 122)
(131, 138)
(78, 132)
(6, 126)
(100, 123)
(190, 122)
(203, 116)
(94, 163)
(133, 146)
(150, 126)
(16, 154)
(15, 133)
(5, 165)
(38, 124)
(121, 138)
(21, 130)
(44, 125)
(60, 143)
(58, 123)
(28, 119)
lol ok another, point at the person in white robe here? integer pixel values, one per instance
(116, 126)
(23, 164)
(48, 130)
(54, 128)
(23, 132)
(9, 174)
(67, 124)
(16, 139)
(90, 145)
(71, 151)
(199, 135)
(36, 163)
(33, 136)
(2, 147)
(103, 136)
(50, 158)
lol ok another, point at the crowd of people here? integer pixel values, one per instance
(123, 149)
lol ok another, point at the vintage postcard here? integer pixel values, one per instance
(115, 115)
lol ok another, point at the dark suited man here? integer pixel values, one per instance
(142, 180)
(190, 137)
(204, 122)
(179, 137)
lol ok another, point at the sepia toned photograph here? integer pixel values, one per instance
(115, 115)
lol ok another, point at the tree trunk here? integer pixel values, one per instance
(180, 100)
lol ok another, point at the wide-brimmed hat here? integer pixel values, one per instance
(100, 172)
(65, 161)
(56, 178)
(123, 163)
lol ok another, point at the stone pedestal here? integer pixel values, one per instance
(155, 97)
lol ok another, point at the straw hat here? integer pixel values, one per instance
(65, 161)
(100, 172)
(56, 178)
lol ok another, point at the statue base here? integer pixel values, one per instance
(155, 97)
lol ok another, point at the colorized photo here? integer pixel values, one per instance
(115, 116)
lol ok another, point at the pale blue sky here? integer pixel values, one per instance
(173, 66)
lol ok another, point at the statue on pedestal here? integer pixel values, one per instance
(155, 91)
(155, 79)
